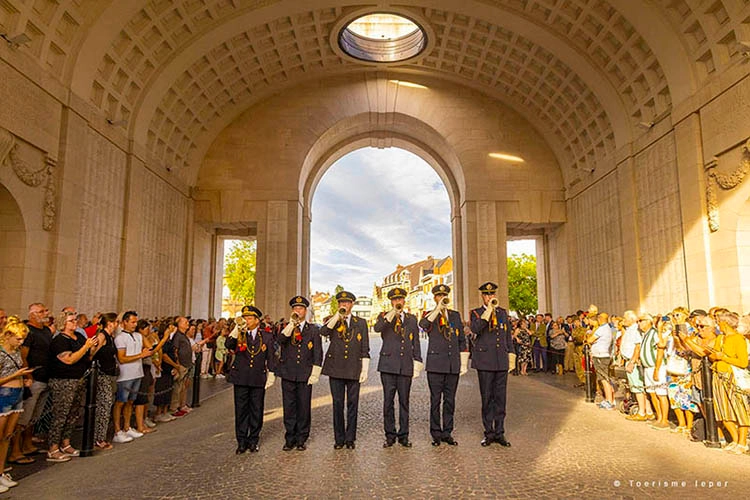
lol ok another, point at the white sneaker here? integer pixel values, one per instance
(7, 481)
(3, 489)
(220, 375)
(149, 423)
(134, 433)
(122, 437)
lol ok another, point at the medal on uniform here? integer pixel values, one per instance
(310, 345)
(411, 336)
(263, 347)
(359, 337)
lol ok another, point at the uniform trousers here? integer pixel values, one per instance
(296, 397)
(340, 387)
(442, 388)
(248, 414)
(492, 387)
(393, 384)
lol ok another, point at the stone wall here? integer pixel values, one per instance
(163, 246)
(597, 256)
(662, 259)
(102, 198)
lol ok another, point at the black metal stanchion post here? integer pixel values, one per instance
(590, 390)
(197, 381)
(712, 434)
(89, 415)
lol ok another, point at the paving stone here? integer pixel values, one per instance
(562, 448)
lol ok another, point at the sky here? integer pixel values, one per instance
(374, 209)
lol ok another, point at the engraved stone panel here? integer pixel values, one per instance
(163, 246)
(598, 246)
(102, 212)
(662, 260)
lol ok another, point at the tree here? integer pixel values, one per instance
(522, 284)
(239, 271)
(334, 302)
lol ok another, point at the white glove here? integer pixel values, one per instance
(315, 375)
(288, 329)
(487, 314)
(236, 332)
(435, 313)
(363, 373)
(391, 315)
(270, 380)
(464, 363)
(332, 322)
(417, 368)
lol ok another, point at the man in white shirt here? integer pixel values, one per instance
(130, 352)
(601, 347)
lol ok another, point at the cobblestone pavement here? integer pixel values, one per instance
(562, 448)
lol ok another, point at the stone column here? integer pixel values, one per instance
(484, 251)
(542, 272)
(278, 259)
(696, 237)
(63, 273)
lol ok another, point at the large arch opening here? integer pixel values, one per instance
(361, 132)
(12, 252)
(377, 213)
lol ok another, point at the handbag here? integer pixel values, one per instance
(741, 379)
(677, 365)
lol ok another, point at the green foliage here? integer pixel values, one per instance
(522, 284)
(239, 271)
(334, 302)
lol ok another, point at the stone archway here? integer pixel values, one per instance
(12, 252)
(391, 130)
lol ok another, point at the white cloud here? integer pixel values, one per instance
(372, 210)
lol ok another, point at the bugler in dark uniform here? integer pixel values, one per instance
(251, 373)
(447, 358)
(491, 328)
(299, 368)
(400, 360)
(346, 363)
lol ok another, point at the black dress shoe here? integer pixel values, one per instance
(350, 445)
(449, 440)
(288, 447)
(388, 443)
(301, 447)
(240, 450)
(404, 442)
(338, 446)
(435, 442)
(486, 442)
(502, 442)
(254, 448)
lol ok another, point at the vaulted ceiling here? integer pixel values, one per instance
(585, 73)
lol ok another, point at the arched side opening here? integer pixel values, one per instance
(12, 252)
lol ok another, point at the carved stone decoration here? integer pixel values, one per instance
(724, 181)
(33, 178)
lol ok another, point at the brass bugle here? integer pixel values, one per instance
(295, 317)
(342, 311)
(493, 303)
(399, 307)
(445, 301)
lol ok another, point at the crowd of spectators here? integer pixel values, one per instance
(145, 369)
(655, 361)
